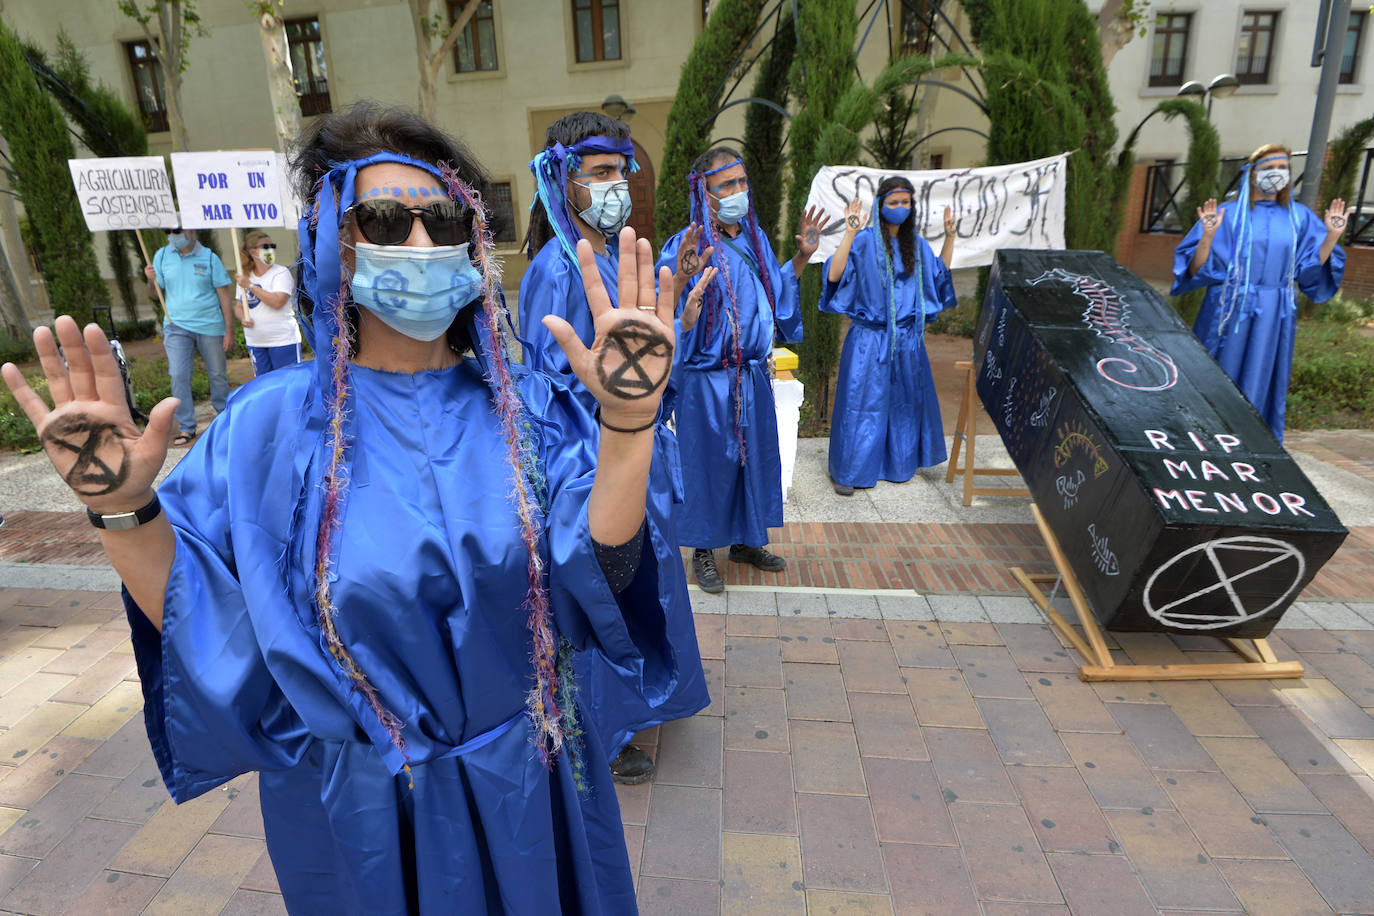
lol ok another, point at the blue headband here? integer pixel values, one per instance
(721, 168)
(551, 167)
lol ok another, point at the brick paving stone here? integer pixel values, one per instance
(1161, 737)
(759, 796)
(703, 603)
(634, 802)
(908, 804)
(689, 752)
(970, 633)
(54, 815)
(1268, 888)
(714, 673)
(1351, 800)
(1305, 641)
(752, 661)
(1334, 712)
(1169, 860)
(815, 692)
(885, 724)
(81, 653)
(23, 664)
(957, 608)
(763, 875)
(254, 903)
(839, 846)
(755, 719)
(66, 871)
(1359, 750)
(968, 766)
(870, 667)
(905, 607)
(243, 817)
(1294, 618)
(801, 604)
(989, 671)
(755, 625)
(928, 880)
(634, 845)
(1035, 647)
(137, 797)
(1293, 738)
(262, 876)
(1019, 908)
(676, 897)
(30, 693)
(119, 754)
(109, 713)
(682, 839)
(1061, 810)
(1219, 817)
(1142, 692)
(1336, 864)
(1101, 885)
(12, 871)
(1261, 778)
(807, 639)
(942, 698)
(1003, 856)
(169, 836)
(825, 757)
(97, 680)
(115, 893)
(919, 645)
(844, 605)
(1246, 692)
(1351, 673)
(1113, 771)
(842, 903)
(1203, 710)
(1333, 615)
(1008, 609)
(43, 769)
(1022, 733)
(710, 634)
(1070, 704)
(8, 816)
(750, 602)
(859, 629)
(208, 877)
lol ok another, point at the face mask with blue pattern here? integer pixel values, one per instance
(416, 291)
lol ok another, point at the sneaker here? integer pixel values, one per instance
(844, 489)
(704, 569)
(631, 766)
(757, 556)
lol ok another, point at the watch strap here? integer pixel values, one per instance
(123, 521)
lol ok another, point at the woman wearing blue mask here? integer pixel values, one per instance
(1248, 255)
(368, 578)
(886, 421)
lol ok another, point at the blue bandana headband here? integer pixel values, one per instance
(551, 168)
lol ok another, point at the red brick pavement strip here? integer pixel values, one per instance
(929, 558)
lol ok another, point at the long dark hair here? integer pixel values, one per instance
(569, 130)
(906, 231)
(363, 130)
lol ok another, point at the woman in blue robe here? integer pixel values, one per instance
(725, 415)
(886, 421)
(367, 578)
(1248, 255)
(583, 192)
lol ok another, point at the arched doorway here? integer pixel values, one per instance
(642, 195)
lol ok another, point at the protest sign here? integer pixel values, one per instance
(1001, 206)
(130, 192)
(223, 190)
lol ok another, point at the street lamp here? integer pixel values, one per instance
(1221, 86)
(616, 106)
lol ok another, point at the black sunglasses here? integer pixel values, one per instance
(388, 222)
(272, 245)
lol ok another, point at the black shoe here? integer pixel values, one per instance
(704, 569)
(844, 489)
(631, 766)
(757, 556)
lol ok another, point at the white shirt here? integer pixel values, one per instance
(272, 327)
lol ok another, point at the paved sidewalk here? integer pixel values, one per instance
(893, 730)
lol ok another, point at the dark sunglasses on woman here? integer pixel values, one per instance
(388, 222)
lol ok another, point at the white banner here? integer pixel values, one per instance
(235, 188)
(129, 192)
(1000, 206)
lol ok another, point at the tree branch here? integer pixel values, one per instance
(464, 16)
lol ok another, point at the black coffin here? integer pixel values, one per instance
(1175, 505)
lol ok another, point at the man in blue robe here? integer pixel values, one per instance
(726, 419)
(583, 193)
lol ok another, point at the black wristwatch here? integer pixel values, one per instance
(123, 521)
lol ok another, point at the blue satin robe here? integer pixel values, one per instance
(1256, 349)
(431, 578)
(552, 285)
(886, 421)
(726, 503)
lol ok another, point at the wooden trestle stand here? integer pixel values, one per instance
(966, 434)
(1260, 661)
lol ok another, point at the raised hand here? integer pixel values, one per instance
(854, 216)
(809, 231)
(951, 224)
(630, 358)
(691, 309)
(1336, 217)
(88, 434)
(689, 260)
(1210, 217)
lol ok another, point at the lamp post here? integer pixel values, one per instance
(616, 106)
(1221, 86)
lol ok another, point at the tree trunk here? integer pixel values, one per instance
(12, 310)
(429, 58)
(1114, 28)
(170, 23)
(286, 109)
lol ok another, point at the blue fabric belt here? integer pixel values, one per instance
(906, 324)
(482, 740)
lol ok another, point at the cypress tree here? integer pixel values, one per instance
(1342, 163)
(764, 127)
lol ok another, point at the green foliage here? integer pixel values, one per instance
(16, 349)
(152, 384)
(1342, 310)
(1332, 384)
(698, 94)
(16, 432)
(39, 148)
(961, 321)
(181, 15)
(764, 128)
(1204, 156)
(1343, 160)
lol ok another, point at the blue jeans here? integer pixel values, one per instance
(181, 345)
(265, 359)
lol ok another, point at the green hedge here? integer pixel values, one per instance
(1332, 385)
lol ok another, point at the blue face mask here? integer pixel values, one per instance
(416, 291)
(1271, 181)
(179, 240)
(895, 215)
(733, 208)
(610, 207)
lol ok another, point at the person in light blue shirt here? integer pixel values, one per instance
(197, 294)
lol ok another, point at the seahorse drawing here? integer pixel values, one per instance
(1107, 314)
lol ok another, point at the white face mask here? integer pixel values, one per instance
(1271, 181)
